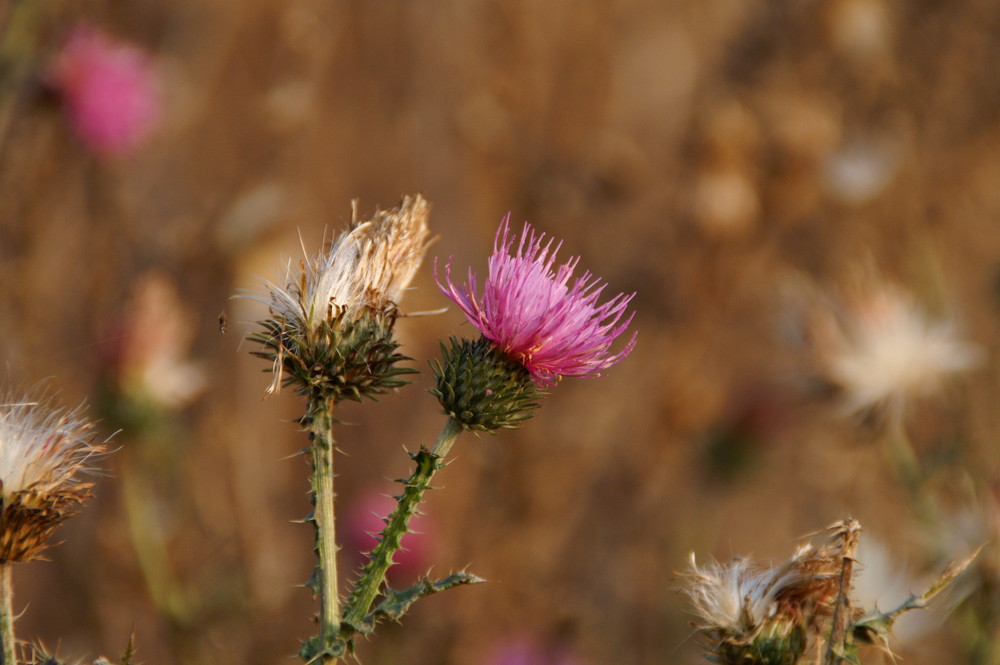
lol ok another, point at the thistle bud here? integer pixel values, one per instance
(481, 388)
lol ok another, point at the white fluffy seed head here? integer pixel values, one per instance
(41, 450)
(735, 598)
(743, 600)
(369, 265)
(41, 447)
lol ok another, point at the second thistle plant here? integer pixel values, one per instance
(330, 334)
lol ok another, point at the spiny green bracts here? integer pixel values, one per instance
(772, 648)
(482, 389)
(343, 357)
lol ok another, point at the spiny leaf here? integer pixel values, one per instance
(397, 603)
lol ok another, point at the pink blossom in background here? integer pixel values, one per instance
(110, 91)
(520, 651)
(535, 316)
(363, 518)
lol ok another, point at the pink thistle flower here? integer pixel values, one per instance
(110, 90)
(536, 316)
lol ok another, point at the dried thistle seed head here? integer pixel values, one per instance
(330, 329)
(731, 599)
(764, 615)
(482, 389)
(368, 266)
(42, 449)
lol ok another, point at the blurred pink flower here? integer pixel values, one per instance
(520, 651)
(110, 90)
(535, 316)
(363, 521)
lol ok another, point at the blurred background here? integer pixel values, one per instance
(706, 154)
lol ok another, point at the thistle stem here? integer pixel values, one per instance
(449, 433)
(373, 578)
(324, 583)
(7, 615)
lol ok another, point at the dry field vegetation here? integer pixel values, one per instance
(713, 156)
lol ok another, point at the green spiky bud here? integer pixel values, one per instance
(482, 389)
(345, 356)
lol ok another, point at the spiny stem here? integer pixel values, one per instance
(373, 579)
(320, 422)
(9, 646)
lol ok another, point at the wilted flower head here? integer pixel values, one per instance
(110, 89)
(880, 347)
(734, 597)
(756, 614)
(332, 320)
(368, 266)
(41, 451)
(536, 316)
